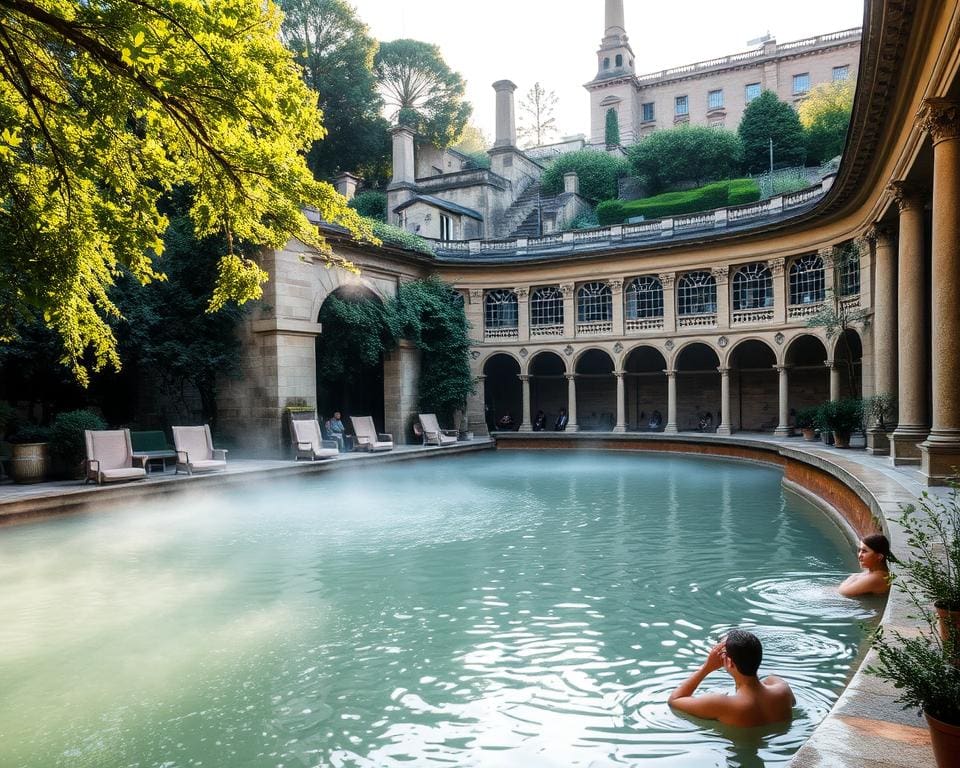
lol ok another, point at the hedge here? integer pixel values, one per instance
(720, 194)
(598, 173)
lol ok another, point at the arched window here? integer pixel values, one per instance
(606, 62)
(644, 298)
(500, 309)
(546, 306)
(619, 60)
(594, 303)
(806, 280)
(848, 271)
(752, 287)
(697, 294)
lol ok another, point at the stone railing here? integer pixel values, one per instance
(848, 303)
(598, 328)
(539, 331)
(496, 334)
(654, 230)
(751, 316)
(801, 311)
(636, 325)
(697, 321)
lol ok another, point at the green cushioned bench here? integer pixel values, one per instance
(152, 445)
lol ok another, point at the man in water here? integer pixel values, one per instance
(754, 701)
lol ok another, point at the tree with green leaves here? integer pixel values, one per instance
(825, 116)
(537, 124)
(106, 107)
(766, 118)
(597, 172)
(336, 51)
(421, 91)
(688, 153)
(611, 131)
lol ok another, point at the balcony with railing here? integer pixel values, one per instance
(595, 328)
(803, 311)
(501, 334)
(698, 321)
(642, 324)
(751, 317)
(545, 331)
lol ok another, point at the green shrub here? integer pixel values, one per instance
(694, 153)
(598, 173)
(806, 418)
(766, 118)
(66, 436)
(717, 195)
(476, 159)
(30, 433)
(371, 204)
(392, 235)
(584, 220)
(612, 128)
(8, 418)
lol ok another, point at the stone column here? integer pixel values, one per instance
(826, 254)
(783, 421)
(569, 310)
(671, 425)
(506, 128)
(721, 274)
(476, 413)
(724, 427)
(912, 361)
(523, 313)
(403, 185)
(669, 302)
(884, 312)
(834, 379)
(621, 425)
(940, 453)
(779, 290)
(616, 289)
(526, 425)
(572, 402)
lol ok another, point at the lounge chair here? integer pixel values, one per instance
(110, 457)
(432, 434)
(309, 442)
(367, 437)
(195, 451)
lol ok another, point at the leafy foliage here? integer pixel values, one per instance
(392, 235)
(585, 220)
(765, 118)
(30, 433)
(806, 418)
(421, 91)
(932, 533)
(472, 140)
(356, 334)
(336, 51)
(717, 195)
(611, 129)
(880, 407)
(105, 107)
(598, 173)
(840, 416)
(537, 124)
(371, 204)
(689, 153)
(66, 435)
(825, 117)
(477, 159)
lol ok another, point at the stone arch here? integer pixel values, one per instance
(754, 386)
(333, 280)
(502, 389)
(848, 357)
(698, 386)
(596, 390)
(548, 385)
(808, 376)
(645, 388)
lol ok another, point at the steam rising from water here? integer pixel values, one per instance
(516, 609)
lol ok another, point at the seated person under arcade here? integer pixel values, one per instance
(505, 421)
(539, 421)
(754, 702)
(334, 427)
(656, 420)
(562, 419)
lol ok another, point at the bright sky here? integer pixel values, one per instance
(555, 43)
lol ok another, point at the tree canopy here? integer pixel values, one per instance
(765, 118)
(537, 124)
(106, 107)
(694, 153)
(336, 51)
(825, 117)
(421, 91)
(597, 172)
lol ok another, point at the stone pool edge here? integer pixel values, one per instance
(865, 728)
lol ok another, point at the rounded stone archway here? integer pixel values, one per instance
(596, 391)
(502, 390)
(754, 387)
(646, 388)
(698, 387)
(809, 376)
(848, 359)
(548, 386)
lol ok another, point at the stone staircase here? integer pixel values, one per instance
(519, 213)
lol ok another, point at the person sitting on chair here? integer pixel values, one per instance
(655, 420)
(706, 421)
(334, 427)
(506, 421)
(562, 419)
(539, 422)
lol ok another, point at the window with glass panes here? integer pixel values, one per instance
(697, 294)
(807, 285)
(715, 99)
(681, 105)
(500, 309)
(841, 73)
(753, 287)
(594, 303)
(801, 83)
(849, 272)
(546, 306)
(751, 92)
(644, 298)
(647, 113)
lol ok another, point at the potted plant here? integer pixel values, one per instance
(925, 666)
(841, 418)
(879, 408)
(67, 443)
(820, 423)
(806, 422)
(29, 454)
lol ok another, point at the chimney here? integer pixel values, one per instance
(571, 182)
(404, 172)
(506, 120)
(614, 20)
(346, 184)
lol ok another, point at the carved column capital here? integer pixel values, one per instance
(826, 253)
(476, 295)
(616, 284)
(666, 279)
(940, 118)
(521, 292)
(720, 274)
(878, 234)
(566, 289)
(904, 194)
(776, 266)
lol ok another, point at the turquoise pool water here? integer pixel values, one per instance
(509, 609)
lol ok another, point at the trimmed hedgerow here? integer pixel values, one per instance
(717, 195)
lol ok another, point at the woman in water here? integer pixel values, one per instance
(873, 552)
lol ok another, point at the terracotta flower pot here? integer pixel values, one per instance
(949, 619)
(841, 439)
(809, 434)
(945, 740)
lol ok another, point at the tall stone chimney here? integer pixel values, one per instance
(403, 186)
(614, 20)
(506, 117)
(346, 184)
